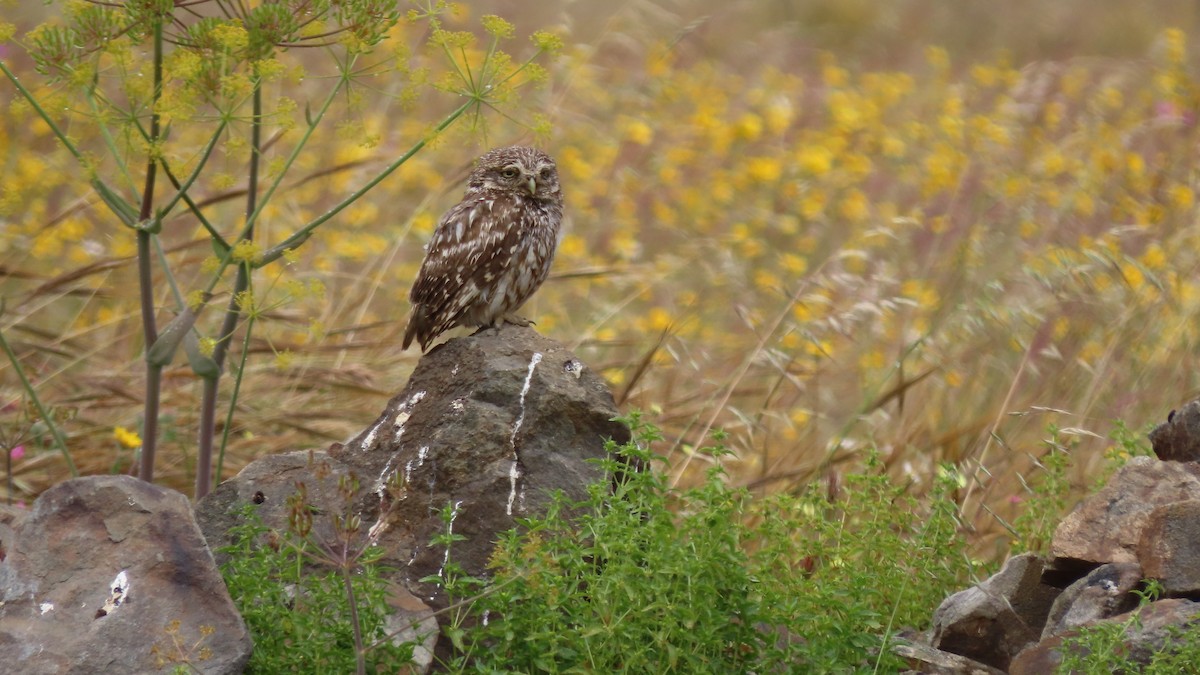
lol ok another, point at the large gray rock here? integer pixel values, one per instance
(109, 574)
(992, 622)
(487, 427)
(1107, 526)
(1105, 592)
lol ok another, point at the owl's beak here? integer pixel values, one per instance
(532, 186)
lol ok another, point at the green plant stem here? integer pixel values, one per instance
(232, 312)
(304, 232)
(237, 388)
(119, 207)
(37, 403)
(110, 143)
(146, 277)
(181, 189)
(359, 652)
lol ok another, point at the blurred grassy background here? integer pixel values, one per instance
(821, 225)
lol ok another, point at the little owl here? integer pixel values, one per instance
(491, 251)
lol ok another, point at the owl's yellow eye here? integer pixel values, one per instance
(509, 172)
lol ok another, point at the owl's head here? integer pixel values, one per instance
(518, 168)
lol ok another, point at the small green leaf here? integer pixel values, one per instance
(162, 352)
(202, 364)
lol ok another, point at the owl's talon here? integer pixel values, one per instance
(516, 321)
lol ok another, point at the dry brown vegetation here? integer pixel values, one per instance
(823, 226)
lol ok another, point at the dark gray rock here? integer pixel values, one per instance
(1170, 547)
(1105, 592)
(268, 484)
(109, 574)
(992, 622)
(487, 426)
(1178, 439)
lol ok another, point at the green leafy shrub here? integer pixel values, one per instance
(645, 578)
(303, 619)
(1100, 648)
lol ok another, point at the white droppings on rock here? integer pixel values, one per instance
(537, 358)
(514, 472)
(118, 593)
(370, 438)
(422, 453)
(449, 531)
(385, 476)
(120, 584)
(46, 607)
(405, 412)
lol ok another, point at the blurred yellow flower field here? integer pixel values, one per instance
(814, 248)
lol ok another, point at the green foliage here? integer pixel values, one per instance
(1127, 444)
(854, 567)
(301, 618)
(1101, 648)
(646, 578)
(1041, 510)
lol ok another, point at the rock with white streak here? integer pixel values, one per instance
(487, 427)
(109, 574)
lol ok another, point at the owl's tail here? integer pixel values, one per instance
(418, 327)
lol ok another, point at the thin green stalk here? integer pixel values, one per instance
(226, 258)
(237, 388)
(162, 261)
(37, 107)
(120, 207)
(146, 277)
(110, 143)
(181, 190)
(252, 217)
(232, 312)
(359, 652)
(37, 403)
(304, 232)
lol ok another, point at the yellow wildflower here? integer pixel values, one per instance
(815, 159)
(1182, 197)
(127, 438)
(749, 127)
(854, 206)
(764, 169)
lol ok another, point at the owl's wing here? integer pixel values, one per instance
(468, 245)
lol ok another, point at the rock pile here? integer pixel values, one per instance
(107, 574)
(1144, 524)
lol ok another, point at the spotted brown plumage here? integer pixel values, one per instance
(492, 250)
